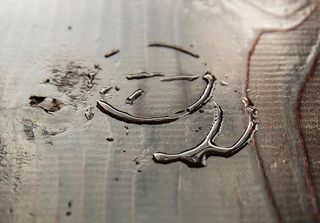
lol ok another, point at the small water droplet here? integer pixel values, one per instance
(89, 114)
(136, 160)
(175, 47)
(181, 77)
(223, 83)
(46, 81)
(143, 74)
(69, 204)
(97, 66)
(91, 77)
(111, 53)
(110, 139)
(135, 95)
(105, 90)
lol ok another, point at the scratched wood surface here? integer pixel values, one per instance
(59, 167)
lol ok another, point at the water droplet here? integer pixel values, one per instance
(97, 66)
(91, 77)
(105, 90)
(175, 47)
(223, 83)
(181, 77)
(135, 95)
(110, 139)
(144, 74)
(89, 114)
(46, 81)
(136, 160)
(111, 53)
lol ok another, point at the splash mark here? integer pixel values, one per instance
(47, 104)
(144, 74)
(135, 95)
(108, 109)
(175, 47)
(197, 156)
(28, 127)
(180, 77)
(111, 53)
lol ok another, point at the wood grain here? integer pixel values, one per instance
(59, 167)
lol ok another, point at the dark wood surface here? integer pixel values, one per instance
(59, 167)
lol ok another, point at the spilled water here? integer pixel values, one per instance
(108, 109)
(197, 155)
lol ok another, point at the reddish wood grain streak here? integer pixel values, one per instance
(305, 159)
(254, 145)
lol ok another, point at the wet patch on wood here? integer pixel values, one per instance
(47, 104)
(75, 81)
